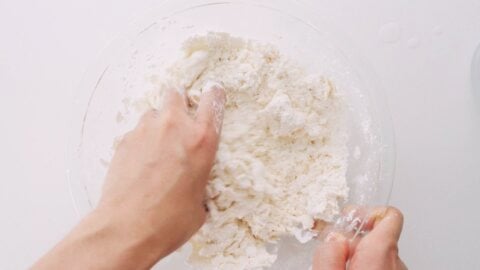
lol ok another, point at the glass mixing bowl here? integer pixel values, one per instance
(130, 64)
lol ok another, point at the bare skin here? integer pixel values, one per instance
(152, 200)
(378, 250)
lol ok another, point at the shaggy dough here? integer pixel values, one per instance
(282, 158)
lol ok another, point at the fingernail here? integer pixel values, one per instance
(218, 105)
(335, 237)
(220, 90)
(212, 85)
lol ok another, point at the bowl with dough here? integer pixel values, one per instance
(306, 130)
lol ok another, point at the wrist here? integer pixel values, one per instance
(104, 240)
(125, 236)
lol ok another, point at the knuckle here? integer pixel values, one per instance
(203, 138)
(154, 118)
(144, 122)
(169, 119)
(126, 139)
(148, 116)
(151, 161)
(151, 114)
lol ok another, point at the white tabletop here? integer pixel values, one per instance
(421, 51)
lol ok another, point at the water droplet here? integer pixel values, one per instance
(390, 32)
(437, 30)
(413, 43)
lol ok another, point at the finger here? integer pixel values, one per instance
(332, 254)
(380, 245)
(355, 218)
(148, 115)
(387, 224)
(146, 119)
(173, 106)
(174, 99)
(211, 106)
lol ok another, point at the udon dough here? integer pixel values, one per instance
(282, 158)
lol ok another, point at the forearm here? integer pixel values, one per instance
(105, 240)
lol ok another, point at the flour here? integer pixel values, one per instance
(280, 117)
(281, 162)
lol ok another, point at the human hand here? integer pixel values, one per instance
(152, 200)
(157, 178)
(378, 250)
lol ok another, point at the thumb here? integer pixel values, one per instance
(332, 254)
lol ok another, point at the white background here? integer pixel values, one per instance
(45, 46)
